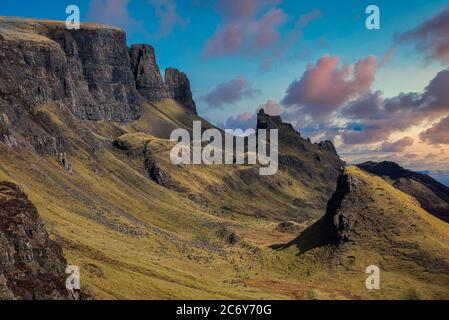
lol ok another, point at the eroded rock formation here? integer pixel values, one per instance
(90, 70)
(31, 265)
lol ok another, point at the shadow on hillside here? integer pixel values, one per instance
(319, 234)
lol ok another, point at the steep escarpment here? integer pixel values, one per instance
(147, 75)
(90, 70)
(431, 194)
(31, 265)
(149, 81)
(179, 88)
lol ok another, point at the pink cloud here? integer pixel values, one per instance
(252, 27)
(271, 107)
(397, 146)
(229, 92)
(112, 12)
(248, 120)
(380, 117)
(438, 133)
(242, 10)
(325, 87)
(387, 57)
(431, 38)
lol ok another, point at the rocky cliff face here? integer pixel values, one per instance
(31, 265)
(90, 70)
(150, 84)
(288, 134)
(146, 72)
(179, 88)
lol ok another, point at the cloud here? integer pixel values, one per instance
(242, 30)
(168, 17)
(252, 27)
(325, 87)
(387, 57)
(431, 38)
(377, 117)
(246, 120)
(229, 92)
(397, 146)
(290, 39)
(112, 12)
(438, 133)
(271, 107)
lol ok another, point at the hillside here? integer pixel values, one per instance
(431, 194)
(84, 135)
(83, 131)
(369, 222)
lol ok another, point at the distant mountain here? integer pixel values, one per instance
(439, 175)
(431, 194)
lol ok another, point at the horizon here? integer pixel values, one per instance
(370, 100)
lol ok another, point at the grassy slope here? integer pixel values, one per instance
(135, 239)
(411, 248)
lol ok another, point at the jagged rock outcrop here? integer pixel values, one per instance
(146, 72)
(149, 82)
(155, 173)
(317, 162)
(31, 265)
(179, 88)
(344, 208)
(86, 69)
(90, 70)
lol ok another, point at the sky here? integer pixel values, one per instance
(377, 94)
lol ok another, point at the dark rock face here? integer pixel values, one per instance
(265, 121)
(157, 174)
(31, 265)
(146, 72)
(343, 212)
(88, 70)
(91, 71)
(149, 81)
(179, 88)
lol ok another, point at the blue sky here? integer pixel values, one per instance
(182, 32)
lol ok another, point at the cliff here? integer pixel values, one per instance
(150, 84)
(90, 70)
(31, 265)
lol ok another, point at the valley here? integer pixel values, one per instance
(84, 132)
